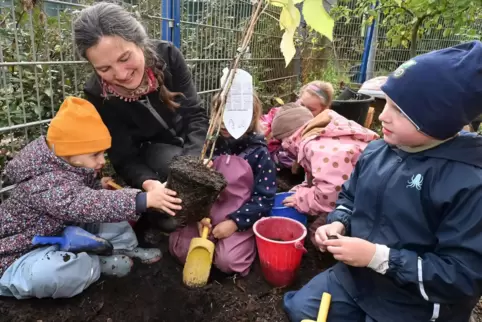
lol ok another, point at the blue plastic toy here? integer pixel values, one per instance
(280, 210)
(76, 240)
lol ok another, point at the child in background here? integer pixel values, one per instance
(408, 220)
(288, 119)
(316, 96)
(327, 147)
(248, 196)
(56, 185)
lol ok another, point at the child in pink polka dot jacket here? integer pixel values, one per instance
(327, 147)
(249, 195)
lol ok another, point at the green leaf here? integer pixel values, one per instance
(48, 92)
(316, 17)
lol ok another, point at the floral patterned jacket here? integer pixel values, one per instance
(50, 194)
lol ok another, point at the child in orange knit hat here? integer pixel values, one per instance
(57, 185)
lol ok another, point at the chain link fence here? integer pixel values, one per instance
(211, 32)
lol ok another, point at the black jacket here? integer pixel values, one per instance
(131, 123)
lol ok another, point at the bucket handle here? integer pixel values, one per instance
(299, 246)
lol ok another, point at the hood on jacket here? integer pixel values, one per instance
(463, 148)
(328, 124)
(36, 159)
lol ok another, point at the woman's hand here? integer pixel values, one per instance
(205, 222)
(104, 182)
(225, 229)
(163, 199)
(323, 233)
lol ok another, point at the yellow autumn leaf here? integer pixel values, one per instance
(287, 46)
(279, 101)
(284, 18)
(278, 3)
(294, 13)
(317, 18)
(283, 3)
(290, 17)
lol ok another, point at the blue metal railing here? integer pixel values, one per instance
(171, 24)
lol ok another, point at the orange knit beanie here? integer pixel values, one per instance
(77, 129)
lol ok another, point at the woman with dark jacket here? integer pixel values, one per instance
(144, 92)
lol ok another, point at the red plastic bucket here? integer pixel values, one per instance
(280, 242)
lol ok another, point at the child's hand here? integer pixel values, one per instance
(289, 201)
(163, 199)
(225, 229)
(204, 223)
(323, 233)
(208, 164)
(104, 181)
(351, 251)
(149, 185)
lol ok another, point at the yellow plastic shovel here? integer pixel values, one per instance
(199, 260)
(324, 308)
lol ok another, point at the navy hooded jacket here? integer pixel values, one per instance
(427, 208)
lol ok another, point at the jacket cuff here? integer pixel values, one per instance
(342, 216)
(141, 202)
(394, 262)
(242, 223)
(379, 262)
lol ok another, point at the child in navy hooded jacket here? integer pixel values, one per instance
(409, 220)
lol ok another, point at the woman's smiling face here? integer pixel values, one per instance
(117, 61)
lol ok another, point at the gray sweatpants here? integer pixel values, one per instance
(47, 272)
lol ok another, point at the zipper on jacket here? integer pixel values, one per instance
(379, 199)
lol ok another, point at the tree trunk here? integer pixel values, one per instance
(414, 38)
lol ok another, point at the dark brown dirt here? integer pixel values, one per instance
(156, 293)
(285, 180)
(196, 185)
